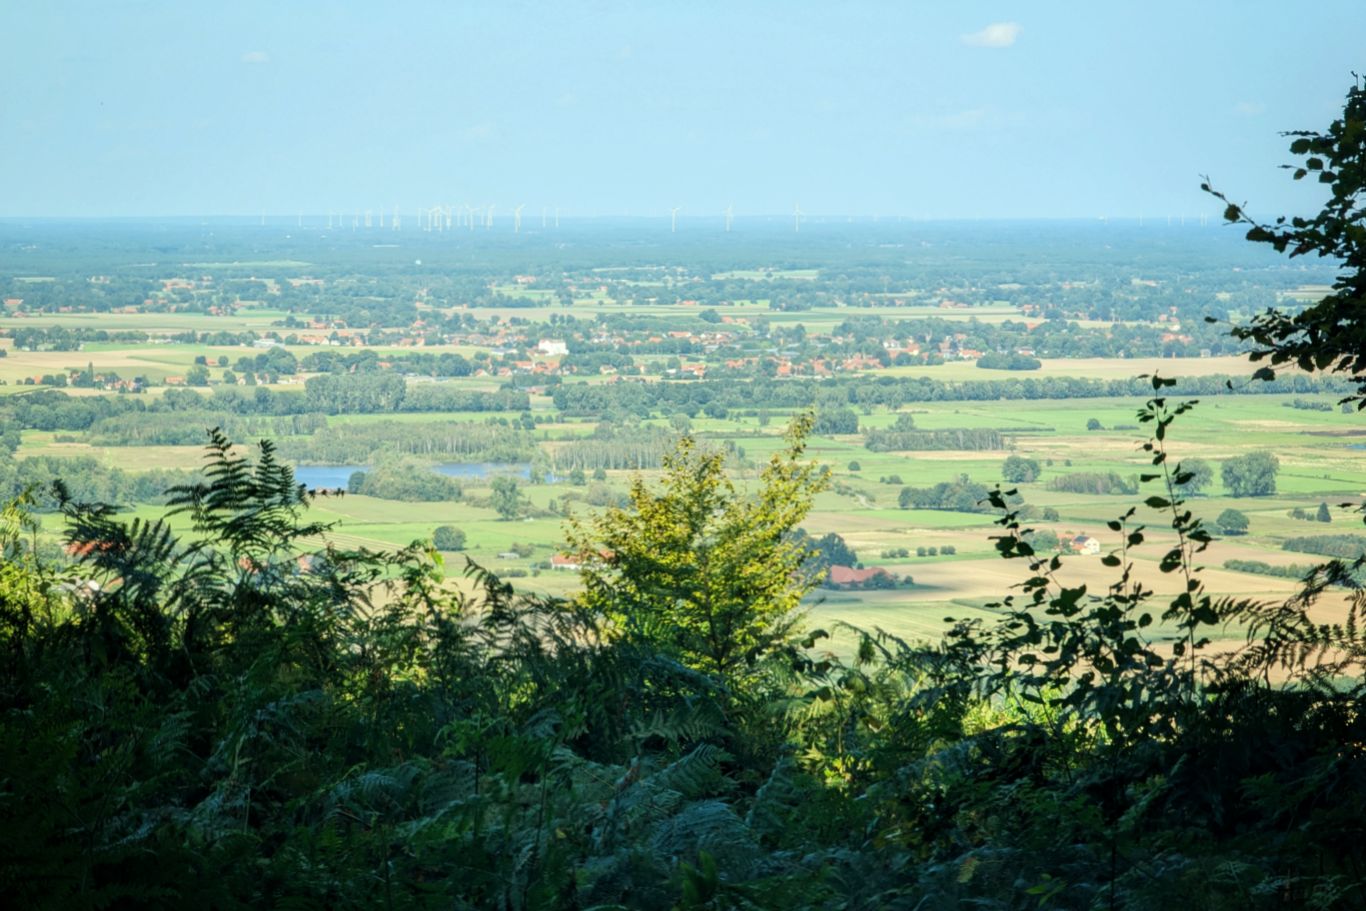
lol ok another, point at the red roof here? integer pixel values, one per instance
(846, 575)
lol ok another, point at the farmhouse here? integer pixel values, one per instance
(1085, 544)
(848, 577)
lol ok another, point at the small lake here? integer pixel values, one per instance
(331, 477)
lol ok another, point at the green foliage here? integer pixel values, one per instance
(1201, 476)
(695, 568)
(198, 375)
(1346, 547)
(1019, 470)
(359, 444)
(1232, 522)
(248, 716)
(404, 479)
(1250, 475)
(961, 495)
(842, 420)
(505, 496)
(995, 361)
(447, 537)
(824, 552)
(898, 440)
(1094, 482)
(1331, 334)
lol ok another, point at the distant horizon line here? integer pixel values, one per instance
(313, 219)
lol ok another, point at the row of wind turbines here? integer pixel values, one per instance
(446, 217)
(729, 216)
(438, 218)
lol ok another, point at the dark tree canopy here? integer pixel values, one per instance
(1251, 475)
(1019, 470)
(1331, 334)
(1232, 522)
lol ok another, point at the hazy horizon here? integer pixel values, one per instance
(604, 109)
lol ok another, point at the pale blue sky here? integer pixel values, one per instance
(941, 110)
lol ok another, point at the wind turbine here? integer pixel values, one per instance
(730, 213)
(488, 220)
(796, 218)
(542, 218)
(673, 219)
(517, 219)
(394, 221)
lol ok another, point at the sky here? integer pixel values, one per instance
(1038, 109)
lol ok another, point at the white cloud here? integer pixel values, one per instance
(998, 34)
(1249, 108)
(256, 57)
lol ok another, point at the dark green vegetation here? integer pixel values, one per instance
(1330, 335)
(229, 718)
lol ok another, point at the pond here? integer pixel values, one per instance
(332, 477)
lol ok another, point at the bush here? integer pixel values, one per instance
(1251, 475)
(994, 361)
(448, 537)
(1019, 470)
(1044, 540)
(1232, 522)
(841, 421)
(1343, 547)
(1095, 482)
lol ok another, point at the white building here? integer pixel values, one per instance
(1085, 544)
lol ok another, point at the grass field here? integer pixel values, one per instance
(1315, 447)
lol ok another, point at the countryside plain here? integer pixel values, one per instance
(568, 360)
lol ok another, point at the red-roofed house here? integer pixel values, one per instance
(848, 577)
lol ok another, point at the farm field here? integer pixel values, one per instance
(1314, 448)
(282, 324)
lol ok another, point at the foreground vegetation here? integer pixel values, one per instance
(214, 719)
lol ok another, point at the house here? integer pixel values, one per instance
(848, 577)
(1085, 544)
(553, 347)
(564, 561)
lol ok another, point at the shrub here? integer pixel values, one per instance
(1232, 522)
(447, 537)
